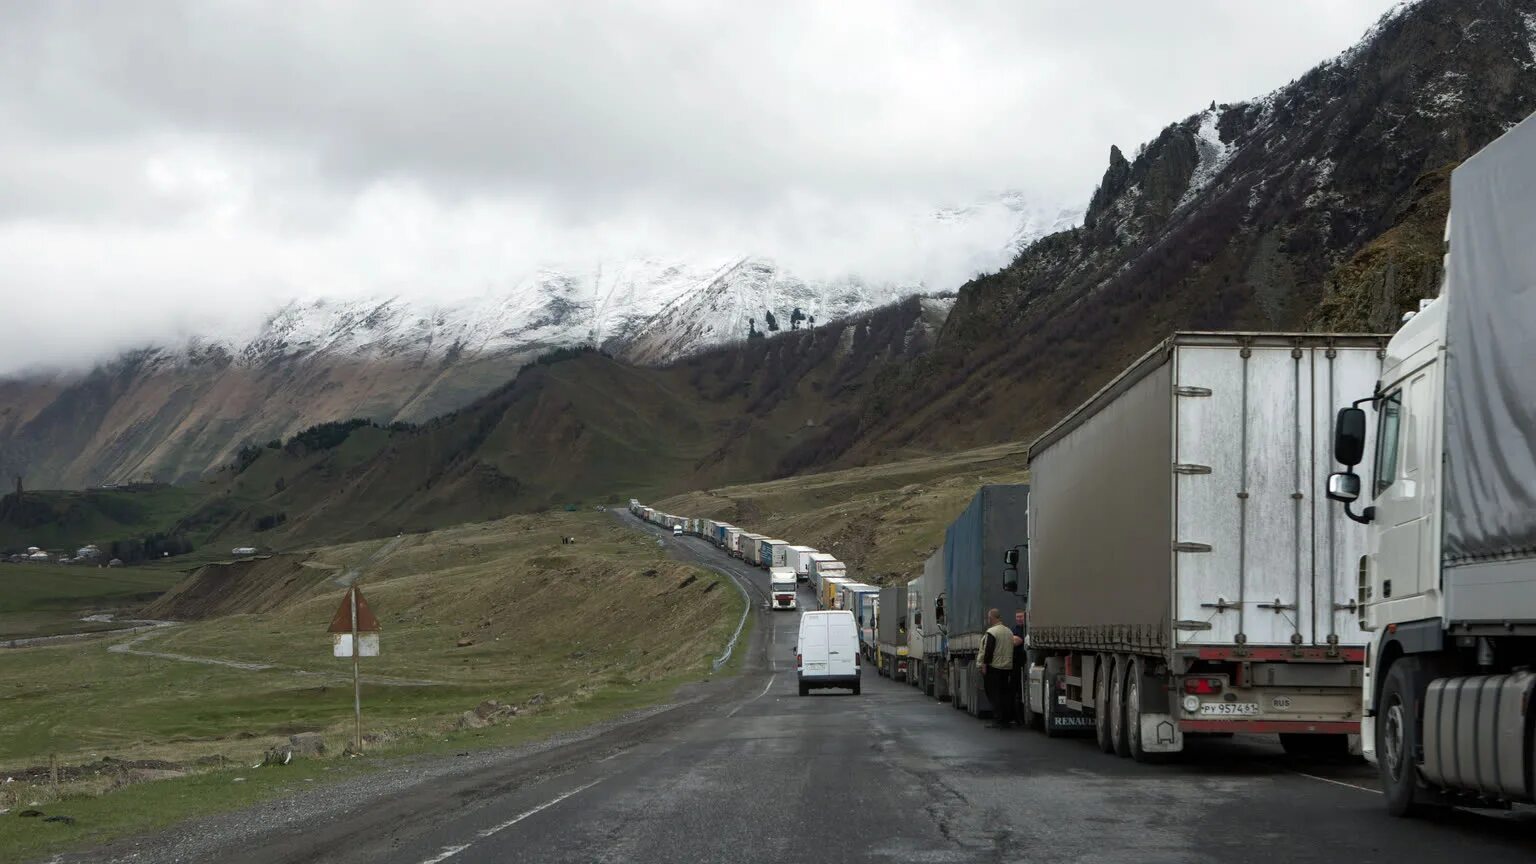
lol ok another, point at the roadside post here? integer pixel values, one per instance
(355, 633)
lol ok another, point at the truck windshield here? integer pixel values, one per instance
(1386, 441)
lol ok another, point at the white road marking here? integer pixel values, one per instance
(1335, 782)
(450, 851)
(733, 711)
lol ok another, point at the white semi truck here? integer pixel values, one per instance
(1448, 586)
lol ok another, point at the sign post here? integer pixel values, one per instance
(355, 633)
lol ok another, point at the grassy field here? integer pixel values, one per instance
(882, 520)
(44, 599)
(503, 610)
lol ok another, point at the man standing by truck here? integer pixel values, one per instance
(996, 662)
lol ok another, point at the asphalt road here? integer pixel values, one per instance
(754, 773)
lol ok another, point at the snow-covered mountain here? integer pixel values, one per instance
(649, 310)
(171, 412)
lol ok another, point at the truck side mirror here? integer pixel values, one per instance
(1014, 560)
(1349, 441)
(1344, 486)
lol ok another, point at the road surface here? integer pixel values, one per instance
(755, 773)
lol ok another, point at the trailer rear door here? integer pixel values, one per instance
(1260, 555)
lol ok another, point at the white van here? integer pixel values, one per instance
(781, 586)
(827, 652)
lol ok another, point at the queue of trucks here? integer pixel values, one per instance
(1181, 571)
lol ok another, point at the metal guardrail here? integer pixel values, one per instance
(746, 607)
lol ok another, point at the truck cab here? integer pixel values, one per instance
(1447, 588)
(782, 586)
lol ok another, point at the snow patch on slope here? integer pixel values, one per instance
(1214, 155)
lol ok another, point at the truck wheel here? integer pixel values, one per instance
(1330, 747)
(1101, 711)
(1397, 737)
(1133, 713)
(955, 700)
(1121, 743)
(1048, 708)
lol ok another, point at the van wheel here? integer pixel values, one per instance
(856, 689)
(1102, 732)
(1122, 745)
(804, 690)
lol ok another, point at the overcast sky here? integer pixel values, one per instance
(170, 167)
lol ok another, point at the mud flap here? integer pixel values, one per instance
(1062, 718)
(1160, 733)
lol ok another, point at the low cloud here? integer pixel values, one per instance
(184, 171)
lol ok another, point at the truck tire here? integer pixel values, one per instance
(1334, 748)
(1134, 744)
(1027, 716)
(1397, 737)
(1101, 711)
(1117, 736)
(1048, 708)
(956, 701)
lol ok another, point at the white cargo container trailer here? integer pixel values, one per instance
(801, 561)
(1182, 576)
(1448, 589)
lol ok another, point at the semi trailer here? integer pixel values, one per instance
(992, 524)
(932, 669)
(914, 634)
(891, 632)
(800, 559)
(1181, 576)
(1447, 583)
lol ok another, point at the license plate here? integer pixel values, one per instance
(1229, 709)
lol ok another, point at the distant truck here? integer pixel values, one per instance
(1447, 590)
(801, 560)
(782, 586)
(914, 635)
(927, 657)
(823, 565)
(1181, 575)
(891, 633)
(992, 524)
(774, 553)
(828, 594)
